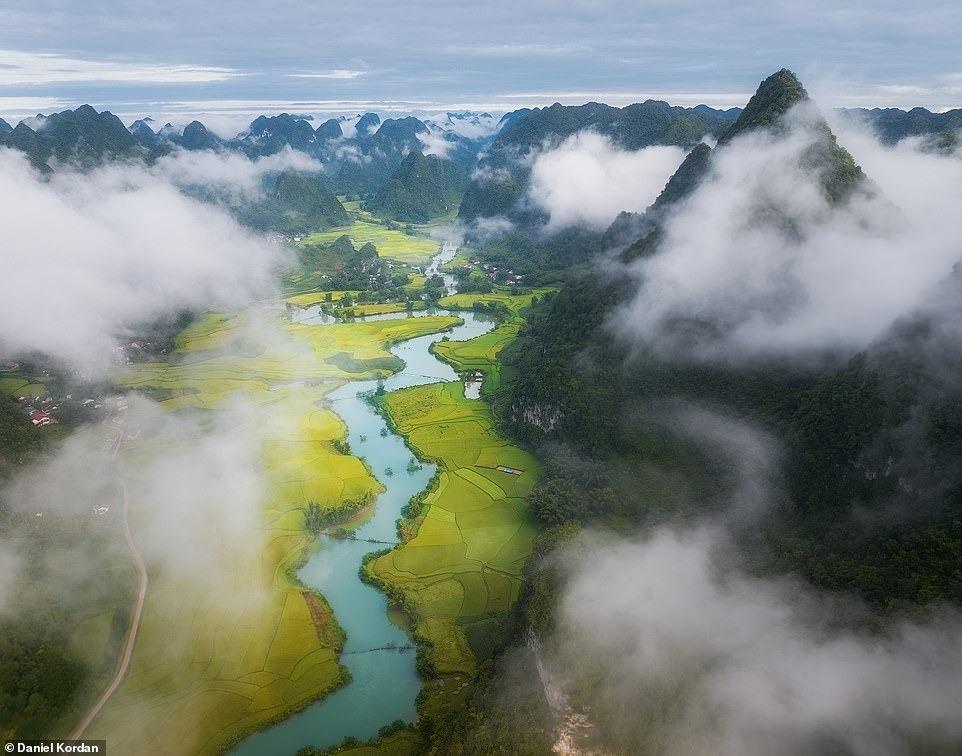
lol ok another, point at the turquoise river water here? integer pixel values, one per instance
(384, 683)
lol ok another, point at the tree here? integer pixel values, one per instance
(314, 519)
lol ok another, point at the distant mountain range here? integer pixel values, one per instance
(868, 498)
(413, 170)
(501, 180)
(892, 124)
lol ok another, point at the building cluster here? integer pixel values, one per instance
(44, 411)
(504, 276)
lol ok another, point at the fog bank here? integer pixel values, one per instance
(758, 262)
(87, 254)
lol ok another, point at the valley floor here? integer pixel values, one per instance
(236, 642)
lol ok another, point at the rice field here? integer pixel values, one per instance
(394, 244)
(310, 298)
(244, 644)
(257, 352)
(501, 295)
(361, 310)
(463, 565)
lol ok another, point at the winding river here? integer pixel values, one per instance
(384, 681)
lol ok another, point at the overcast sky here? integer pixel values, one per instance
(186, 56)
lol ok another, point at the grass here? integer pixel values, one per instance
(16, 385)
(463, 564)
(416, 284)
(391, 243)
(223, 655)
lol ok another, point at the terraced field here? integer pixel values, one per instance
(225, 652)
(461, 571)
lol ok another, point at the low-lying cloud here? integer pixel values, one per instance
(195, 485)
(434, 143)
(665, 644)
(588, 179)
(86, 255)
(758, 262)
(228, 174)
(687, 657)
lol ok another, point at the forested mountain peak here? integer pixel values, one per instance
(330, 129)
(422, 187)
(270, 134)
(144, 133)
(401, 129)
(196, 136)
(774, 97)
(631, 128)
(766, 111)
(82, 136)
(367, 123)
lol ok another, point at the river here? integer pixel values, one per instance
(384, 683)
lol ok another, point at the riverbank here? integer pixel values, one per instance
(244, 643)
(384, 680)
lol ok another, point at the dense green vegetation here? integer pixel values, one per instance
(296, 203)
(870, 498)
(423, 187)
(19, 440)
(845, 423)
(82, 136)
(502, 177)
(344, 267)
(846, 450)
(892, 124)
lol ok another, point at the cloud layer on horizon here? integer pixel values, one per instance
(529, 53)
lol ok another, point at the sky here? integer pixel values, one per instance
(181, 57)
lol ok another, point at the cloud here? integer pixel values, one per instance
(10, 565)
(186, 477)
(467, 125)
(25, 67)
(85, 256)
(435, 144)
(536, 99)
(757, 262)
(587, 179)
(351, 153)
(518, 50)
(488, 174)
(229, 174)
(12, 107)
(335, 73)
(684, 656)
(665, 644)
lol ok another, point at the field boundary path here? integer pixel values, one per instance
(128, 649)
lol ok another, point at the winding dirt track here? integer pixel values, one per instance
(138, 608)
